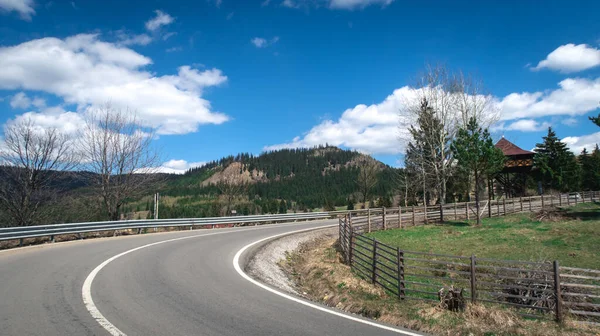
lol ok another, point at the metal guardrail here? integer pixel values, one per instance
(12, 233)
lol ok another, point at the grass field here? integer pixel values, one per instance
(572, 237)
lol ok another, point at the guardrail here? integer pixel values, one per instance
(22, 232)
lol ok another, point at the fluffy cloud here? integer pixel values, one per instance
(178, 166)
(523, 125)
(69, 123)
(578, 143)
(377, 128)
(85, 71)
(260, 42)
(571, 58)
(161, 19)
(133, 39)
(575, 96)
(23, 7)
(373, 129)
(20, 100)
(332, 4)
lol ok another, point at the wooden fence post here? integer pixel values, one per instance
(401, 284)
(350, 248)
(399, 217)
(473, 286)
(455, 213)
(551, 200)
(504, 206)
(557, 292)
(542, 201)
(384, 224)
(441, 213)
(413, 215)
(498, 208)
(529, 203)
(374, 264)
(559, 199)
(514, 206)
(425, 219)
(467, 210)
(490, 208)
(576, 200)
(568, 200)
(521, 202)
(369, 219)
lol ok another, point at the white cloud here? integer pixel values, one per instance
(20, 100)
(373, 129)
(133, 39)
(260, 42)
(571, 58)
(69, 123)
(569, 121)
(523, 125)
(332, 4)
(85, 71)
(173, 49)
(23, 7)
(578, 143)
(178, 166)
(575, 96)
(161, 19)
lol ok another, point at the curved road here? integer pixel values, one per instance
(184, 286)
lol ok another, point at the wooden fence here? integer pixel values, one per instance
(368, 220)
(535, 289)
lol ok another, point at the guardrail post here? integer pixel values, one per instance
(139, 230)
(383, 216)
(399, 217)
(557, 292)
(52, 239)
(441, 213)
(374, 264)
(473, 286)
(80, 236)
(21, 242)
(401, 284)
(369, 219)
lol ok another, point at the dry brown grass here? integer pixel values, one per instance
(317, 270)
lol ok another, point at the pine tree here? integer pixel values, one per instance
(282, 207)
(557, 166)
(476, 154)
(590, 169)
(350, 204)
(596, 120)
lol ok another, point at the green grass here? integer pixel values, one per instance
(573, 241)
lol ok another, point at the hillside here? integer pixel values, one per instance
(301, 178)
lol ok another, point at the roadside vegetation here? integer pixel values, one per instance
(569, 235)
(318, 271)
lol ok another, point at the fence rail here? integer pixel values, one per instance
(536, 289)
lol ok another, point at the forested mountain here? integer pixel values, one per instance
(298, 179)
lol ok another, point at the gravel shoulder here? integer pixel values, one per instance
(265, 264)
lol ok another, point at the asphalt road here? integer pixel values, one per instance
(182, 287)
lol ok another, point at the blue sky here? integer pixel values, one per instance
(218, 77)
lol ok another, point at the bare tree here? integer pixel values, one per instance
(367, 178)
(30, 158)
(451, 99)
(230, 189)
(118, 149)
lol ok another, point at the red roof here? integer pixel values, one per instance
(510, 149)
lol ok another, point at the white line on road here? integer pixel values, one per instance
(236, 265)
(86, 290)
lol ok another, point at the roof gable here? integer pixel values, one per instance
(510, 149)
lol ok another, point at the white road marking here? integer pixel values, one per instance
(86, 290)
(236, 265)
